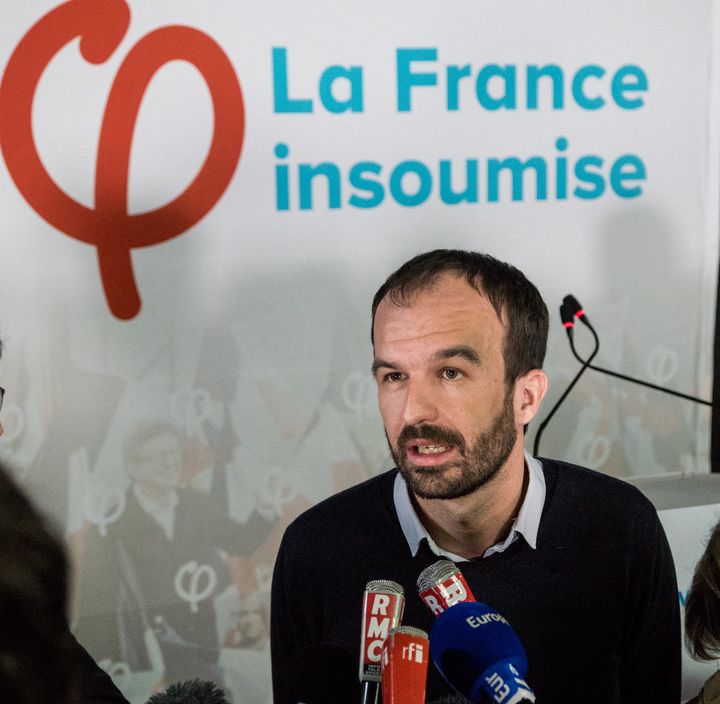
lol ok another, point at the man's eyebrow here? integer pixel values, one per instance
(463, 351)
(378, 363)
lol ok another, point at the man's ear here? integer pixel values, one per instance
(529, 392)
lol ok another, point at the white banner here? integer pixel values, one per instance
(198, 203)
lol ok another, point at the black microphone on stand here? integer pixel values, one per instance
(567, 315)
(578, 312)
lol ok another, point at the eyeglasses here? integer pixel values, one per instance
(2, 396)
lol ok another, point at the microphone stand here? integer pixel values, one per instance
(371, 693)
(567, 316)
(625, 377)
(568, 311)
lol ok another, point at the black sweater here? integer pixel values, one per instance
(595, 605)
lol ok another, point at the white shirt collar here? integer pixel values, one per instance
(526, 524)
(164, 514)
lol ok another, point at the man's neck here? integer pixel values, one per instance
(470, 525)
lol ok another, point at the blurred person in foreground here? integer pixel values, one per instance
(702, 616)
(34, 640)
(41, 662)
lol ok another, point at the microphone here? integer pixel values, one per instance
(567, 316)
(190, 692)
(442, 585)
(579, 312)
(405, 659)
(568, 310)
(383, 605)
(478, 653)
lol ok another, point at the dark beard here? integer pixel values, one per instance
(480, 462)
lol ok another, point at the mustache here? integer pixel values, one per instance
(432, 433)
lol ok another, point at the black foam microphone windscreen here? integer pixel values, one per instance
(190, 692)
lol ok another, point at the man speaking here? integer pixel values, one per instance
(576, 561)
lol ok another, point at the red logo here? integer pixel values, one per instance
(108, 226)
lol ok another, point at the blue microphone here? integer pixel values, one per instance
(477, 652)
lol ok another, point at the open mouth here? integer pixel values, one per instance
(431, 449)
(427, 453)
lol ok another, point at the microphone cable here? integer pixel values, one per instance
(567, 316)
(571, 309)
(578, 311)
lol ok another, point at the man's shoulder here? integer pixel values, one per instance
(572, 475)
(348, 527)
(351, 513)
(600, 517)
(358, 498)
(589, 488)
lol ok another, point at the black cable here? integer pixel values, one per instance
(568, 323)
(577, 310)
(570, 309)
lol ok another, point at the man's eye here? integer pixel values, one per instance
(450, 373)
(393, 376)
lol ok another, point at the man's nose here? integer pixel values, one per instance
(420, 404)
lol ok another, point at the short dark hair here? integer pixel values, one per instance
(702, 606)
(508, 290)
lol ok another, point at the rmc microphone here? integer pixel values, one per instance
(405, 658)
(478, 653)
(383, 605)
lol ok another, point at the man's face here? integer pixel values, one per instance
(158, 462)
(449, 419)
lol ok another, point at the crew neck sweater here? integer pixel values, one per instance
(595, 605)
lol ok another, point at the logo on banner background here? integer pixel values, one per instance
(194, 583)
(108, 226)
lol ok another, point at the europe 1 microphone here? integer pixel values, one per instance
(472, 646)
(478, 653)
